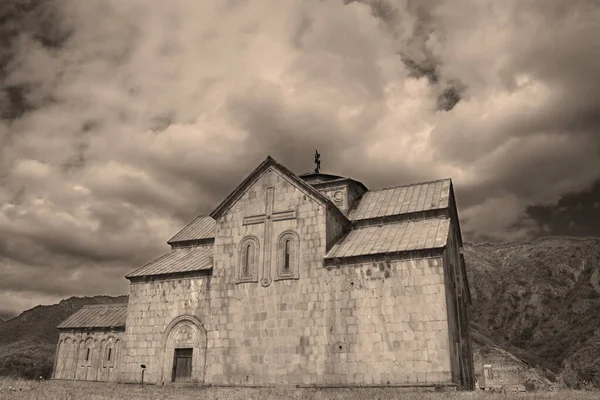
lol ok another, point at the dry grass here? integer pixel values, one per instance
(67, 390)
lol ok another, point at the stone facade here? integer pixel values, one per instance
(88, 355)
(267, 309)
(461, 352)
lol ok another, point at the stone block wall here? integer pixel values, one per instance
(456, 298)
(372, 323)
(72, 360)
(343, 195)
(338, 195)
(154, 316)
(334, 229)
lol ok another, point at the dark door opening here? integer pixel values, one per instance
(182, 365)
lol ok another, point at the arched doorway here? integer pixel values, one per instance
(184, 351)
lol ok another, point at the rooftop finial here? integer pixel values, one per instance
(317, 161)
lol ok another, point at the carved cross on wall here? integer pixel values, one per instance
(268, 218)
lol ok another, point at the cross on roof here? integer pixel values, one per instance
(317, 161)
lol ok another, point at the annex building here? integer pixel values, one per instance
(309, 280)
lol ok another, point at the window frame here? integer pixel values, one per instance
(87, 352)
(291, 237)
(253, 269)
(109, 354)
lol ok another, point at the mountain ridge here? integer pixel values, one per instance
(538, 299)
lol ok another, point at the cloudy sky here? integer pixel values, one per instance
(121, 121)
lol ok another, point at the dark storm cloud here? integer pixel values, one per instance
(123, 122)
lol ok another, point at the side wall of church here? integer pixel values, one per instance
(100, 363)
(456, 296)
(334, 229)
(368, 324)
(346, 199)
(338, 195)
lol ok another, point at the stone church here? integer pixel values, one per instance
(302, 280)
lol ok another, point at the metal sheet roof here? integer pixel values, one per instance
(202, 227)
(402, 200)
(97, 316)
(179, 260)
(405, 236)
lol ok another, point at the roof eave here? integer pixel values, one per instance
(90, 327)
(166, 275)
(191, 242)
(441, 212)
(433, 252)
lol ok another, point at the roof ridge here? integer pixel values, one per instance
(412, 184)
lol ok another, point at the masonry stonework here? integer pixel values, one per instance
(88, 355)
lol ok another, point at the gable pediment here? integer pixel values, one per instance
(266, 167)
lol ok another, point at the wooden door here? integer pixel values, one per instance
(182, 365)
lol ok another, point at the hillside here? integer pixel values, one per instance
(539, 301)
(28, 342)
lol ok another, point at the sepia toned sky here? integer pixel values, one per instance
(122, 121)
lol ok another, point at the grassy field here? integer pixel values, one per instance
(67, 390)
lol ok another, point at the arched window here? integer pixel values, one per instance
(248, 260)
(109, 354)
(286, 256)
(288, 249)
(86, 352)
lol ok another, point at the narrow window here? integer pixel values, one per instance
(286, 260)
(247, 261)
(87, 355)
(109, 354)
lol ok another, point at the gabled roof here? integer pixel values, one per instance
(405, 199)
(256, 174)
(97, 316)
(198, 258)
(202, 227)
(406, 236)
